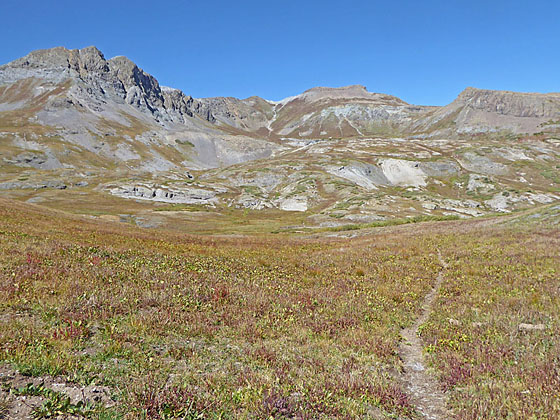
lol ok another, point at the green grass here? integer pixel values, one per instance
(388, 222)
(181, 207)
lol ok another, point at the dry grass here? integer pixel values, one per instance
(278, 327)
(493, 368)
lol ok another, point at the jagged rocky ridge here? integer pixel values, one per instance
(74, 110)
(116, 77)
(317, 113)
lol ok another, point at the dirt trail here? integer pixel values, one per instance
(426, 394)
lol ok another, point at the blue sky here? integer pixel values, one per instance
(425, 51)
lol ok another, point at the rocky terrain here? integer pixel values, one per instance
(91, 134)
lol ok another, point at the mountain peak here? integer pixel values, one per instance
(44, 58)
(58, 57)
(122, 61)
(351, 92)
(346, 89)
(91, 50)
(332, 93)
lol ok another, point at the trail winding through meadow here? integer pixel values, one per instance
(426, 394)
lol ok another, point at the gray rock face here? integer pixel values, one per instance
(176, 102)
(320, 112)
(242, 114)
(482, 111)
(482, 164)
(346, 151)
(439, 169)
(515, 104)
(59, 185)
(116, 111)
(363, 174)
(118, 77)
(184, 195)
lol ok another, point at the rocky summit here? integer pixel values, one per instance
(79, 131)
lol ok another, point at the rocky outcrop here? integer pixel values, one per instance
(320, 112)
(514, 104)
(183, 195)
(482, 111)
(118, 77)
(98, 124)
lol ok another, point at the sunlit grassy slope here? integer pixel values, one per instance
(283, 326)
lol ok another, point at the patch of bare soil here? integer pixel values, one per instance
(20, 407)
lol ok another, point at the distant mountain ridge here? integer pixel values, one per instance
(117, 75)
(106, 128)
(319, 112)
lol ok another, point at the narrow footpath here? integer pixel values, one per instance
(426, 394)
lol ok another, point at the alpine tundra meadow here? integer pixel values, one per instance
(330, 252)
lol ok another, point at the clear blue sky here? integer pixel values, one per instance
(424, 51)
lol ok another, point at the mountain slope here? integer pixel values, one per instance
(483, 111)
(76, 127)
(107, 113)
